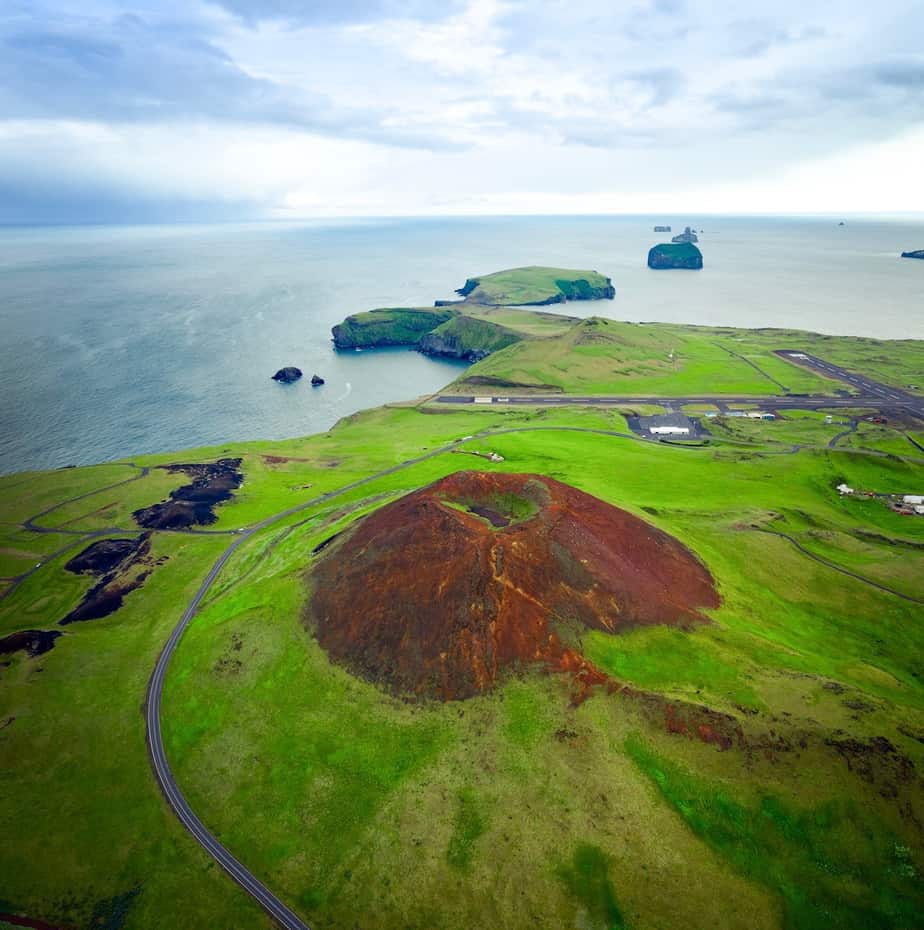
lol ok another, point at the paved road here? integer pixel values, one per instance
(870, 394)
(773, 402)
(285, 917)
(839, 568)
(30, 524)
(886, 395)
(834, 440)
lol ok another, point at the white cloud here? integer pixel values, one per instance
(490, 106)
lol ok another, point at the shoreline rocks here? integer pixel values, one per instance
(918, 253)
(287, 375)
(316, 380)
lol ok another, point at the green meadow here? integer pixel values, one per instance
(601, 356)
(518, 808)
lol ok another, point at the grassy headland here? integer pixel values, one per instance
(468, 329)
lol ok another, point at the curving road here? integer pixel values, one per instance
(282, 914)
(838, 568)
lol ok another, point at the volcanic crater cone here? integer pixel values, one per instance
(439, 592)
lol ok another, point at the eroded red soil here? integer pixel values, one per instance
(425, 596)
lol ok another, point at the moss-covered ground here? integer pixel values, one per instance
(518, 808)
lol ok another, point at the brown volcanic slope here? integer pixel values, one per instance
(436, 593)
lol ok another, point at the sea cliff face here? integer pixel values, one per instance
(467, 338)
(395, 326)
(681, 255)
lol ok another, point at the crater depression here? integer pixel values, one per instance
(441, 591)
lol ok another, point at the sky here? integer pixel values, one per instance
(183, 110)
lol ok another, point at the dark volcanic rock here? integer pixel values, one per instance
(919, 253)
(444, 591)
(194, 503)
(103, 556)
(33, 642)
(113, 560)
(679, 255)
(288, 375)
(316, 380)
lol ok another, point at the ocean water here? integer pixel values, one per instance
(126, 340)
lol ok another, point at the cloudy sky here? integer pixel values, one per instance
(181, 109)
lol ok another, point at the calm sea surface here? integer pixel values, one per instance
(125, 340)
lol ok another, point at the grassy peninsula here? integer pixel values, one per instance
(465, 329)
(760, 768)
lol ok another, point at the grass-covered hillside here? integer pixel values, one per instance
(388, 326)
(468, 337)
(536, 286)
(600, 356)
(759, 770)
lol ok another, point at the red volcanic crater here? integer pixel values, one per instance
(439, 592)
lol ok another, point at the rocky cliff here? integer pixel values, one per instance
(467, 338)
(394, 326)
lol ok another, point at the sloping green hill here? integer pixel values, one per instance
(600, 356)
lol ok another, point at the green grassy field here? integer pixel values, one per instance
(517, 808)
(600, 356)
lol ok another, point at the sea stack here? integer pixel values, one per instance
(287, 375)
(675, 255)
(316, 380)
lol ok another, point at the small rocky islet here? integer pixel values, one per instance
(288, 375)
(917, 253)
(291, 374)
(675, 255)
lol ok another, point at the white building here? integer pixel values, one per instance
(669, 430)
(913, 499)
(844, 489)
